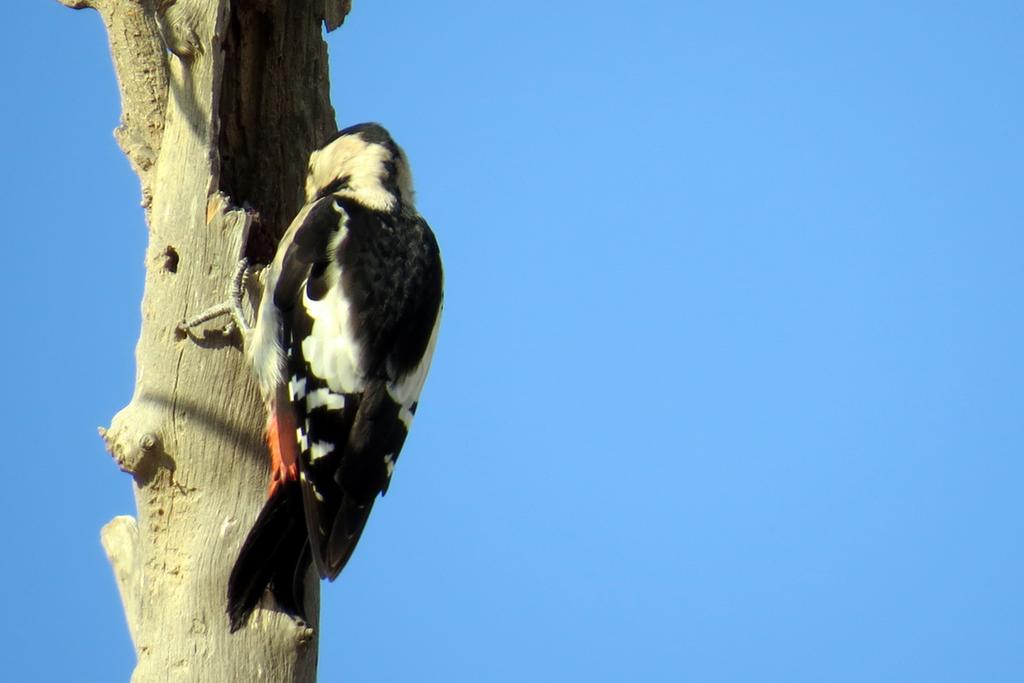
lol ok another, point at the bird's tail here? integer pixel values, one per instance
(275, 554)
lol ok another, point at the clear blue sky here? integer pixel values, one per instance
(730, 383)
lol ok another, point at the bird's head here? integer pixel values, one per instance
(362, 162)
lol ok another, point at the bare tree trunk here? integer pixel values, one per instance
(218, 125)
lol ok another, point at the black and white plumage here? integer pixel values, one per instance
(342, 344)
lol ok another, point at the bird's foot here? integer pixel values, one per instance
(232, 307)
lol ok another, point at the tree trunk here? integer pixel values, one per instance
(222, 103)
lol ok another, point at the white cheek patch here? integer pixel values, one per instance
(364, 163)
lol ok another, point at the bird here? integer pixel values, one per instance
(344, 334)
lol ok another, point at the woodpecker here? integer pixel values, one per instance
(345, 330)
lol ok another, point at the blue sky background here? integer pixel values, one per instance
(730, 383)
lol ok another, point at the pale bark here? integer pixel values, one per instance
(218, 129)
